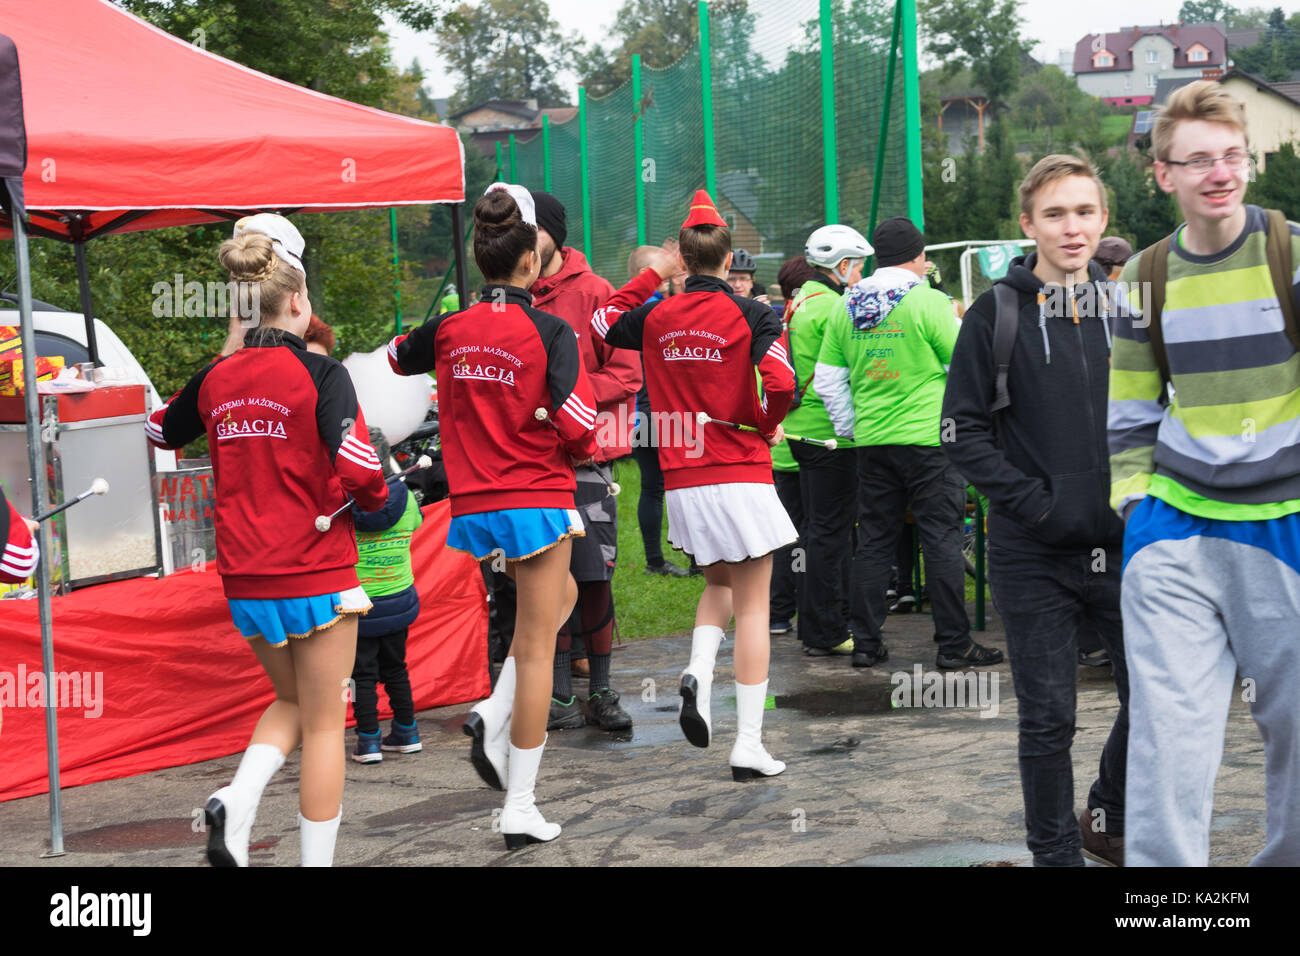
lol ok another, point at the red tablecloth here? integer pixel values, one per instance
(151, 673)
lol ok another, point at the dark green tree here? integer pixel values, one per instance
(660, 31)
(505, 49)
(983, 35)
(1278, 187)
(1205, 11)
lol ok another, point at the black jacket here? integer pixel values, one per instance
(1044, 463)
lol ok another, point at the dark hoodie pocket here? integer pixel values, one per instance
(1073, 517)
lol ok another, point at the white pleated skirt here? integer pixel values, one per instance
(729, 522)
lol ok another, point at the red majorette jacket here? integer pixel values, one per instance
(20, 554)
(288, 442)
(700, 349)
(573, 294)
(497, 362)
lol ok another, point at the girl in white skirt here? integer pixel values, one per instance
(700, 350)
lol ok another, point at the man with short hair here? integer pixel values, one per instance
(568, 288)
(1054, 544)
(881, 372)
(1207, 476)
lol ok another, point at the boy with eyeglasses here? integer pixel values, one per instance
(1208, 481)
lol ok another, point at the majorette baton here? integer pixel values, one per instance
(612, 486)
(97, 487)
(323, 521)
(703, 418)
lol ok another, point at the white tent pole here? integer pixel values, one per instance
(36, 459)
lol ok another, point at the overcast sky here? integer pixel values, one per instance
(1053, 24)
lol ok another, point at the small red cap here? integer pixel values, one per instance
(703, 212)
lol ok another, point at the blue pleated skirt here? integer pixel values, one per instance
(517, 533)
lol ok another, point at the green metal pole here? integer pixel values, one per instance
(830, 166)
(397, 269)
(638, 139)
(500, 165)
(583, 157)
(546, 152)
(514, 162)
(912, 114)
(706, 100)
(884, 127)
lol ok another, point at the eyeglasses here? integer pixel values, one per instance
(1203, 164)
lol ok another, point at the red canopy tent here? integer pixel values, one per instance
(129, 128)
(137, 129)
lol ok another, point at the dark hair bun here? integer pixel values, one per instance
(497, 212)
(501, 237)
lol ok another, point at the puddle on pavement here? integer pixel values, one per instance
(954, 854)
(143, 835)
(842, 746)
(839, 702)
(643, 734)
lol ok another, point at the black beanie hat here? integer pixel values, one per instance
(550, 216)
(895, 240)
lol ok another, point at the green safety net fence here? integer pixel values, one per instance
(766, 64)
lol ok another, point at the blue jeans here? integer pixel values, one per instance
(1044, 601)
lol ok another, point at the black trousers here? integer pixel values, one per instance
(891, 478)
(1046, 602)
(828, 485)
(381, 660)
(786, 579)
(650, 506)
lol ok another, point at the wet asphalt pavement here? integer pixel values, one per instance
(867, 782)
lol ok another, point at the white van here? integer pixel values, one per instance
(59, 332)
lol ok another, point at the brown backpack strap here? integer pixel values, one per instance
(1153, 270)
(1280, 268)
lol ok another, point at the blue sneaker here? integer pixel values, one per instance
(367, 750)
(404, 739)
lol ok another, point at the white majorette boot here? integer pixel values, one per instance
(318, 838)
(748, 758)
(230, 812)
(488, 725)
(697, 685)
(521, 822)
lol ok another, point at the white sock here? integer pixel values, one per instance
(259, 765)
(751, 699)
(705, 641)
(318, 837)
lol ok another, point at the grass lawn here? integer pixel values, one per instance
(647, 605)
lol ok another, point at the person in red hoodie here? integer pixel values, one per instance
(288, 444)
(517, 414)
(700, 349)
(21, 550)
(568, 288)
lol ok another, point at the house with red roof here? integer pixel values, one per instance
(1124, 68)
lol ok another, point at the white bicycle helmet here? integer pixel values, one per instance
(830, 245)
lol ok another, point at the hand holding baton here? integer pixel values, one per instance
(613, 487)
(97, 487)
(323, 521)
(703, 418)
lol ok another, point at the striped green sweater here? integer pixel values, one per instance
(1228, 444)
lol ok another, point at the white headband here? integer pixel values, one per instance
(523, 199)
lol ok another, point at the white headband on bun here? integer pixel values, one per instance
(523, 199)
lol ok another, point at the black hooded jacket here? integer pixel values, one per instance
(1043, 463)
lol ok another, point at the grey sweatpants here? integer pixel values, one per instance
(1206, 618)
